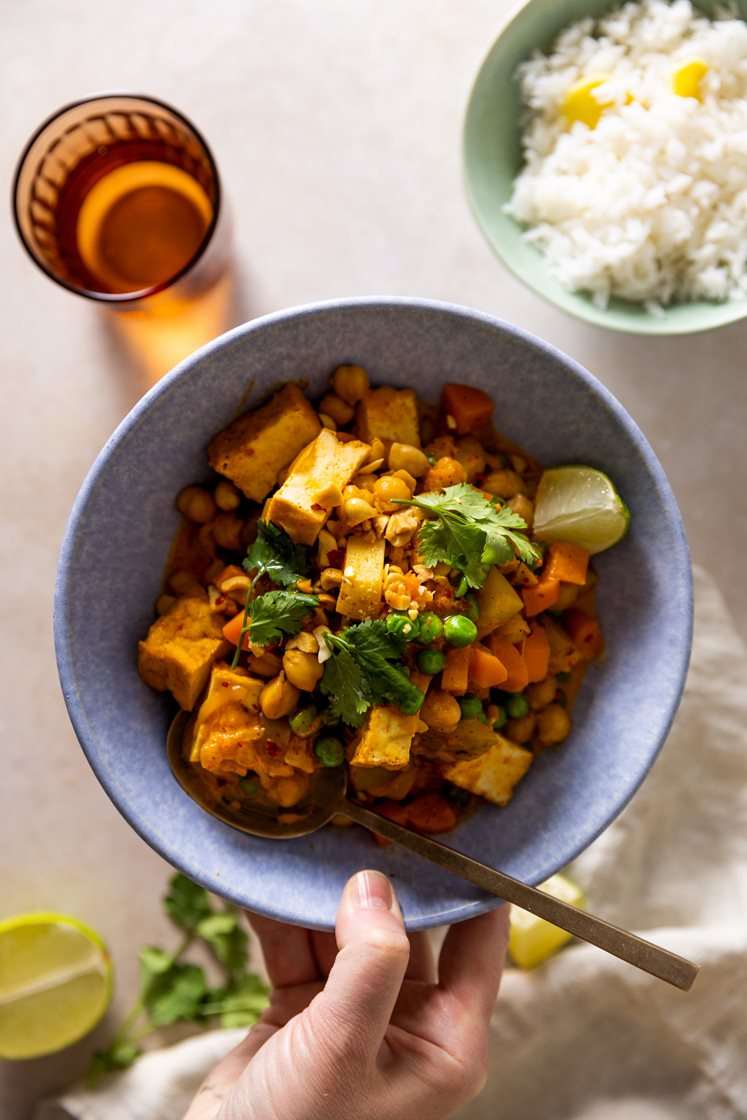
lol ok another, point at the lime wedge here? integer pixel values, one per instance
(55, 983)
(532, 939)
(580, 505)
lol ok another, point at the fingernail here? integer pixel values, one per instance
(372, 891)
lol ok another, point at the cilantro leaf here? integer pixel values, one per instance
(239, 1004)
(186, 902)
(176, 994)
(343, 683)
(277, 613)
(226, 938)
(119, 1055)
(470, 533)
(275, 555)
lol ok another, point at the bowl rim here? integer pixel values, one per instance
(64, 592)
(633, 318)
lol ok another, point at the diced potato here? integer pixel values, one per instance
(362, 576)
(227, 686)
(385, 739)
(253, 449)
(494, 774)
(389, 414)
(303, 502)
(181, 648)
(497, 601)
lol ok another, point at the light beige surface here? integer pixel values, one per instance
(336, 125)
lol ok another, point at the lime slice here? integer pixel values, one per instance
(532, 939)
(55, 983)
(580, 505)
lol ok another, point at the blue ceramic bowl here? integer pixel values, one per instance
(118, 540)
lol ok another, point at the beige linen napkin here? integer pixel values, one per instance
(586, 1037)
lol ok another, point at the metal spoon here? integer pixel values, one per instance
(327, 799)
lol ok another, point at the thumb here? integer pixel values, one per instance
(367, 975)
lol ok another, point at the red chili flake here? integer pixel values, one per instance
(335, 557)
(273, 749)
(225, 684)
(316, 506)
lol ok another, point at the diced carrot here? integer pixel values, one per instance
(232, 631)
(393, 811)
(536, 653)
(518, 675)
(585, 633)
(540, 597)
(455, 673)
(470, 407)
(485, 669)
(431, 813)
(566, 562)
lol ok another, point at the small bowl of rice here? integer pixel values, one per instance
(605, 150)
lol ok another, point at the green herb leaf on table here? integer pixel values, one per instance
(277, 613)
(275, 555)
(186, 903)
(176, 995)
(364, 669)
(226, 938)
(470, 533)
(239, 1004)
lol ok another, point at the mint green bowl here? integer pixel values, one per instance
(492, 159)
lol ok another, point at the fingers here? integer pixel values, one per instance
(472, 959)
(422, 963)
(355, 1007)
(291, 953)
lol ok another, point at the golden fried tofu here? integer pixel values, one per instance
(493, 775)
(314, 485)
(385, 738)
(227, 687)
(362, 577)
(470, 739)
(390, 414)
(181, 647)
(257, 446)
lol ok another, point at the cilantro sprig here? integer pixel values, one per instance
(365, 669)
(470, 533)
(268, 617)
(174, 990)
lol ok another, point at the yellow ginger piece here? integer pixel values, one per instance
(582, 104)
(315, 483)
(256, 447)
(181, 648)
(532, 939)
(493, 775)
(389, 414)
(362, 575)
(687, 78)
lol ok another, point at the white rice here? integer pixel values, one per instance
(651, 204)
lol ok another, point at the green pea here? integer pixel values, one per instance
(302, 723)
(329, 751)
(471, 706)
(431, 661)
(431, 628)
(461, 588)
(500, 719)
(473, 610)
(400, 623)
(248, 785)
(459, 630)
(517, 706)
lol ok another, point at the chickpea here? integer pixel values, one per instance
(164, 603)
(504, 484)
(446, 472)
(196, 504)
(358, 510)
(388, 488)
(227, 531)
(470, 454)
(278, 698)
(302, 669)
(523, 506)
(334, 406)
(440, 710)
(405, 457)
(542, 694)
(553, 725)
(227, 496)
(350, 383)
(182, 581)
(521, 730)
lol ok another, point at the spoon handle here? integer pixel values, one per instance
(643, 954)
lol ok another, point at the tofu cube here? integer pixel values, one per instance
(253, 449)
(362, 577)
(385, 739)
(495, 774)
(390, 414)
(181, 648)
(317, 477)
(227, 687)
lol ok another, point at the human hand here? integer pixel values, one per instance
(375, 1030)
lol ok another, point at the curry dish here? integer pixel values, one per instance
(358, 585)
